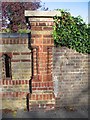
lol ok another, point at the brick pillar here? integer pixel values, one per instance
(42, 41)
(41, 38)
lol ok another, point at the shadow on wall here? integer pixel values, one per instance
(70, 76)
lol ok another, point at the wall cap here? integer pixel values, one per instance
(13, 35)
(29, 13)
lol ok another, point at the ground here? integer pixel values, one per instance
(80, 112)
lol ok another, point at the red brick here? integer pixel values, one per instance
(25, 60)
(33, 84)
(36, 35)
(33, 24)
(36, 28)
(39, 85)
(40, 48)
(3, 82)
(3, 41)
(26, 81)
(13, 82)
(38, 41)
(7, 82)
(47, 28)
(44, 48)
(42, 24)
(24, 41)
(36, 97)
(44, 97)
(15, 60)
(22, 82)
(44, 41)
(50, 88)
(47, 36)
(48, 41)
(51, 96)
(52, 41)
(16, 53)
(3, 94)
(45, 78)
(17, 82)
(43, 84)
(32, 41)
(34, 89)
(16, 94)
(35, 79)
(41, 97)
(36, 84)
(48, 96)
(25, 53)
(10, 41)
(51, 84)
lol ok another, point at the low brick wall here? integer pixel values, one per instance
(70, 77)
(16, 87)
(55, 75)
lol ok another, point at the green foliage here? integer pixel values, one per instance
(7, 30)
(23, 31)
(71, 32)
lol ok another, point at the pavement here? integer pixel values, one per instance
(80, 112)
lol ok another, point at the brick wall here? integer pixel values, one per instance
(17, 47)
(16, 87)
(70, 77)
(42, 40)
(55, 75)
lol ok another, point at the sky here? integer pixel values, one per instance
(77, 7)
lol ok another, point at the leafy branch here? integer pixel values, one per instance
(71, 32)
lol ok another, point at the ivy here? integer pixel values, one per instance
(71, 32)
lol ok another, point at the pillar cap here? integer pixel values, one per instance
(29, 13)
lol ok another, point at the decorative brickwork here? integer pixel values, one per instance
(22, 67)
(41, 38)
(55, 76)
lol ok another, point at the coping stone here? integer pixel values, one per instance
(29, 13)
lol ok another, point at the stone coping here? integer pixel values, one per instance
(29, 13)
(13, 35)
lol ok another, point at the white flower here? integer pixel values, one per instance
(8, 22)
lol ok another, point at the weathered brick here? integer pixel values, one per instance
(16, 53)
(47, 36)
(47, 28)
(36, 28)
